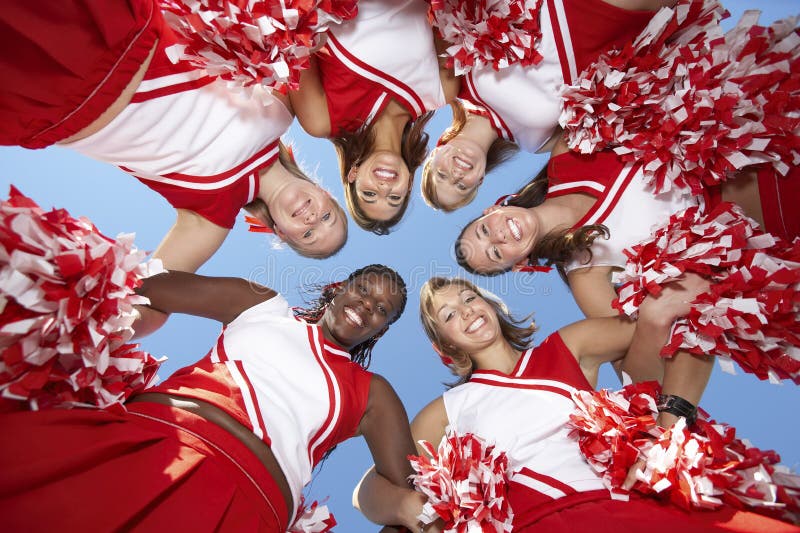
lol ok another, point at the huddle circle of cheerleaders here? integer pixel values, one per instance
(667, 206)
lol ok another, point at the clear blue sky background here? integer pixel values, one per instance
(419, 248)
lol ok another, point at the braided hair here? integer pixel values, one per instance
(361, 353)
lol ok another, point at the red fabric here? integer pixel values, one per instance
(596, 26)
(650, 515)
(64, 62)
(780, 197)
(599, 167)
(90, 470)
(552, 359)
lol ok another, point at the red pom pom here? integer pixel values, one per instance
(706, 467)
(465, 481)
(264, 42)
(691, 103)
(313, 518)
(751, 313)
(498, 33)
(67, 295)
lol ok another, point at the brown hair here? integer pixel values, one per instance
(499, 152)
(557, 247)
(353, 148)
(514, 332)
(259, 209)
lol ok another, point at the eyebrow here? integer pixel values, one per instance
(464, 289)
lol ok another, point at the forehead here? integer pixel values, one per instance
(473, 249)
(449, 294)
(382, 283)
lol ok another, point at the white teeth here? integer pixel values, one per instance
(476, 324)
(352, 315)
(462, 163)
(514, 229)
(385, 174)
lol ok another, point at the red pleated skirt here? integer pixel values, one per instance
(154, 468)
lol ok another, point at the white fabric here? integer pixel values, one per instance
(394, 37)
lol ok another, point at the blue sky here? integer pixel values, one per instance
(420, 247)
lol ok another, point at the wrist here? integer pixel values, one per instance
(670, 404)
(410, 508)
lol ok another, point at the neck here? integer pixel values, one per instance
(557, 213)
(271, 181)
(479, 130)
(500, 356)
(388, 128)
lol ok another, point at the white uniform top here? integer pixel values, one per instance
(390, 42)
(525, 414)
(523, 103)
(277, 376)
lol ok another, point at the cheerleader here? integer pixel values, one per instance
(370, 90)
(511, 410)
(240, 431)
(96, 78)
(489, 124)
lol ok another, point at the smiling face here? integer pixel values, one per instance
(308, 218)
(463, 319)
(382, 182)
(365, 306)
(458, 168)
(500, 239)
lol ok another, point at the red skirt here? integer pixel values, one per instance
(780, 197)
(64, 62)
(154, 468)
(651, 516)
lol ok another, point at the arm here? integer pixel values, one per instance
(190, 242)
(595, 341)
(391, 503)
(451, 84)
(220, 299)
(593, 292)
(310, 103)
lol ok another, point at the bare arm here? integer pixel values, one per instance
(593, 292)
(595, 341)
(190, 242)
(220, 299)
(310, 103)
(451, 84)
(391, 503)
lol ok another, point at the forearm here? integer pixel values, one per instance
(383, 502)
(685, 375)
(147, 321)
(643, 361)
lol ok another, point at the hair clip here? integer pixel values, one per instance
(446, 359)
(503, 200)
(531, 268)
(256, 226)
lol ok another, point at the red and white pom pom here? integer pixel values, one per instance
(257, 42)
(313, 518)
(691, 103)
(497, 33)
(67, 294)
(465, 480)
(751, 312)
(704, 466)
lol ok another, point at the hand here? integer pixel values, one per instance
(674, 300)
(631, 478)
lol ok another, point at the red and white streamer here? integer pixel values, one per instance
(313, 518)
(702, 467)
(465, 480)
(751, 312)
(251, 43)
(693, 103)
(497, 33)
(66, 309)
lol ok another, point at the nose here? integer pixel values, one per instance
(466, 310)
(311, 216)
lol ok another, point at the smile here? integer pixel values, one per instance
(513, 227)
(353, 317)
(385, 174)
(476, 324)
(302, 209)
(463, 164)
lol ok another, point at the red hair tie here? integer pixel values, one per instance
(446, 359)
(531, 268)
(503, 200)
(256, 226)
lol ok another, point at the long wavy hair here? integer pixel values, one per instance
(517, 332)
(555, 248)
(259, 209)
(499, 152)
(315, 308)
(353, 148)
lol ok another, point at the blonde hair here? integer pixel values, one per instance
(514, 331)
(259, 209)
(499, 152)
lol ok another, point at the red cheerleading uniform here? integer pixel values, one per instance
(525, 414)
(273, 373)
(574, 34)
(386, 52)
(63, 63)
(780, 196)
